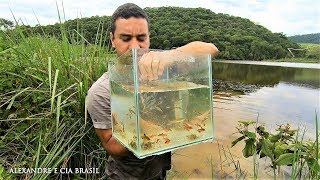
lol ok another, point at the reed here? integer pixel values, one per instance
(44, 81)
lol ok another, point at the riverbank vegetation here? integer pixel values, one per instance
(286, 148)
(43, 83)
(295, 60)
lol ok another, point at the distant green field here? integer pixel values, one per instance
(312, 55)
(313, 50)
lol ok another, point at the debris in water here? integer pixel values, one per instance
(192, 136)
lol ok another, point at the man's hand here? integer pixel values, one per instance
(152, 64)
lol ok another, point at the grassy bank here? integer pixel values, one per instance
(43, 84)
(295, 60)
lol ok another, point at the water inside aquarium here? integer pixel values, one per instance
(171, 114)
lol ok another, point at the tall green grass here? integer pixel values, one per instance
(43, 84)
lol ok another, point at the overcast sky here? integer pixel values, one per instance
(291, 17)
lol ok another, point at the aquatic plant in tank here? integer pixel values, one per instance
(156, 116)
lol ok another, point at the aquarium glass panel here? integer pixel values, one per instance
(169, 112)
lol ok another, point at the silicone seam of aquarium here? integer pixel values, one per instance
(110, 79)
(174, 148)
(211, 92)
(136, 96)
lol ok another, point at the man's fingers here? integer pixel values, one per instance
(145, 67)
(154, 66)
(161, 67)
(143, 72)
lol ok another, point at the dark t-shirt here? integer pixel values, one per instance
(129, 167)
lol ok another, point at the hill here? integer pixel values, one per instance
(306, 38)
(236, 37)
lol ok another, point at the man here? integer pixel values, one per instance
(130, 29)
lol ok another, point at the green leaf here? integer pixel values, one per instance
(237, 140)
(313, 165)
(266, 147)
(251, 135)
(280, 148)
(285, 159)
(247, 123)
(275, 138)
(249, 148)
(1, 169)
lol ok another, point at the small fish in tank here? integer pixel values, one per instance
(187, 126)
(200, 128)
(145, 137)
(167, 118)
(167, 140)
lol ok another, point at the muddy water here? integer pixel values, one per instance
(273, 94)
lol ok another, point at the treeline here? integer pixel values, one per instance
(306, 38)
(237, 38)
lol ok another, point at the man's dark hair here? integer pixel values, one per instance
(127, 11)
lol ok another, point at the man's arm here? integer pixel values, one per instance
(98, 106)
(198, 47)
(152, 64)
(110, 144)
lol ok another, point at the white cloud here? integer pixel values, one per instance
(290, 17)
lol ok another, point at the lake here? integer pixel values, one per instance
(275, 93)
(270, 92)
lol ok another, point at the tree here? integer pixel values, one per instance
(4, 23)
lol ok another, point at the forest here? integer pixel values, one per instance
(306, 38)
(237, 38)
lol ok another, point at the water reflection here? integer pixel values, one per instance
(276, 94)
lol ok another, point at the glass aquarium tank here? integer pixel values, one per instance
(172, 111)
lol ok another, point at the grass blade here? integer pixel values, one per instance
(54, 88)
(38, 151)
(49, 72)
(11, 100)
(58, 112)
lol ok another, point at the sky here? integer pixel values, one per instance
(290, 17)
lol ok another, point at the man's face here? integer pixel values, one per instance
(130, 33)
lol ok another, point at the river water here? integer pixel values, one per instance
(268, 92)
(275, 93)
